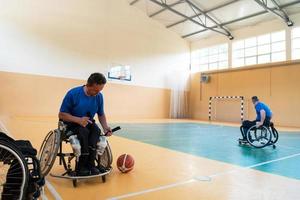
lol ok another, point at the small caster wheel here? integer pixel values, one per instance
(274, 146)
(36, 194)
(103, 179)
(75, 183)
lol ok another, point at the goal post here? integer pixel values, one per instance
(223, 98)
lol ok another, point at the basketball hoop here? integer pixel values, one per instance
(122, 77)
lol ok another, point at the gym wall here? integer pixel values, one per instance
(276, 85)
(47, 47)
(72, 39)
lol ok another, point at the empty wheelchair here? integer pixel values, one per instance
(260, 137)
(53, 147)
(20, 175)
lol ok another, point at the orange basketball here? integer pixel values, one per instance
(125, 163)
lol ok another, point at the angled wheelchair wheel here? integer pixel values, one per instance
(259, 137)
(275, 135)
(105, 160)
(14, 172)
(48, 151)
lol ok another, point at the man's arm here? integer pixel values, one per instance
(83, 121)
(103, 122)
(262, 118)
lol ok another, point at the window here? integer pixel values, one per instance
(120, 72)
(296, 43)
(211, 58)
(261, 49)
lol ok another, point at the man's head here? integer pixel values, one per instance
(255, 99)
(95, 84)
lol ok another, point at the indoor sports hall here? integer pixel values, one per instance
(150, 99)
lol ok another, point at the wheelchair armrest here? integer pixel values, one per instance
(61, 126)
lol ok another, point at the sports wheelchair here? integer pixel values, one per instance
(52, 147)
(260, 137)
(20, 175)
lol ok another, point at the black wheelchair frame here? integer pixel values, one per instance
(61, 135)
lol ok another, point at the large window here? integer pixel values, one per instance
(211, 58)
(296, 43)
(261, 49)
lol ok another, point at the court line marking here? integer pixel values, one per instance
(255, 165)
(153, 189)
(53, 191)
(197, 179)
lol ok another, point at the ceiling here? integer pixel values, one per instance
(196, 19)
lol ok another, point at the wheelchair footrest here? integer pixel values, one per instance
(72, 175)
(243, 142)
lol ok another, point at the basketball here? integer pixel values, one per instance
(125, 163)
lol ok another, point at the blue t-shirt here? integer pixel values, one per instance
(261, 106)
(78, 104)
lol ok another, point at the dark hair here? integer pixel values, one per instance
(255, 98)
(96, 78)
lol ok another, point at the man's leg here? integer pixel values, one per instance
(92, 142)
(267, 122)
(83, 137)
(245, 127)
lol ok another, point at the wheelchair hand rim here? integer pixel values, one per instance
(254, 128)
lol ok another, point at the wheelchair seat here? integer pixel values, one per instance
(26, 147)
(23, 145)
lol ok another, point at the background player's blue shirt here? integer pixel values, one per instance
(78, 104)
(261, 106)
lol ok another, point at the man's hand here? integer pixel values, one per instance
(258, 124)
(107, 131)
(84, 121)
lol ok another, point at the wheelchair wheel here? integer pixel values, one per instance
(259, 137)
(13, 172)
(105, 160)
(275, 135)
(48, 151)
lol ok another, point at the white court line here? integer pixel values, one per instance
(195, 179)
(153, 189)
(43, 195)
(255, 165)
(53, 191)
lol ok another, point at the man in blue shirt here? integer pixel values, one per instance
(78, 109)
(263, 117)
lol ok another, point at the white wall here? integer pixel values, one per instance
(73, 38)
(255, 30)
